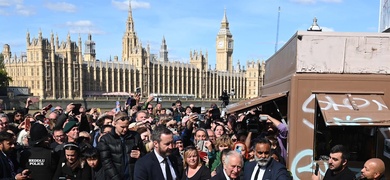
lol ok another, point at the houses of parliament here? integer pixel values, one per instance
(60, 70)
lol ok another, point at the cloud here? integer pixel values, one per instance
(3, 12)
(124, 5)
(23, 10)
(315, 1)
(327, 29)
(15, 6)
(82, 27)
(81, 23)
(5, 3)
(61, 7)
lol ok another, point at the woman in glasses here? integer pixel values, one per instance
(193, 167)
(73, 168)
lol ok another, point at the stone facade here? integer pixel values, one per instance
(54, 70)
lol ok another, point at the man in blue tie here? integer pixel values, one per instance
(264, 166)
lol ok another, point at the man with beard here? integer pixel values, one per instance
(337, 165)
(264, 166)
(7, 168)
(159, 164)
(277, 129)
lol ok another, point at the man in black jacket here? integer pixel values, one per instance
(39, 159)
(120, 149)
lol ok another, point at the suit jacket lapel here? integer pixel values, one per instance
(268, 173)
(175, 165)
(157, 163)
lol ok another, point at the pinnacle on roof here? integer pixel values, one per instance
(314, 26)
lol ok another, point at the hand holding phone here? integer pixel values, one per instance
(46, 108)
(76, 109)
(135, 153)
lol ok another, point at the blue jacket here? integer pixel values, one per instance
(274, 171)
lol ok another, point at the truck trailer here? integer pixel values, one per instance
(329, 88)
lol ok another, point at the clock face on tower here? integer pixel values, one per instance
(220, 44)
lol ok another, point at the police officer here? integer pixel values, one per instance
(39, 159)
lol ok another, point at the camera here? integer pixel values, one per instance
(253, 125)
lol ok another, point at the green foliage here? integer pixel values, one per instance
(4, 78)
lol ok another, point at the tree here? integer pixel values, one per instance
(4, 78)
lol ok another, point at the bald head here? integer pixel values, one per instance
(373, 169)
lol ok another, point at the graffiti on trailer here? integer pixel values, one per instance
(328, 103)
(306, 154)
(331, 104)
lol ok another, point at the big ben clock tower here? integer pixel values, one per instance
(224, 46)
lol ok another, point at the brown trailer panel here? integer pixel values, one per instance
(302, 109)
(312, 65)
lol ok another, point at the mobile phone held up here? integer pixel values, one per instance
(117, 106)
(76, 109)
(138, 90)
(239, 149)
(316, 170)
(46, 108)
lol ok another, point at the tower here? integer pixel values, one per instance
(132, 48)
(163, 50)
(89, 51)
(6, 51)
(224, 46)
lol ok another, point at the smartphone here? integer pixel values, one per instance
(200, 145)
(135, 148)
(76, 109)
(46, 108)
(138, 90)
(317, 168)
(27, 173)
(239, 149)
(117, 106)
(201, 117)
(27, 124)
(34, 99)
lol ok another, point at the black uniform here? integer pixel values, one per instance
(42, 162)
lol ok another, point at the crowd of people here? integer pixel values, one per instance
(144, 140)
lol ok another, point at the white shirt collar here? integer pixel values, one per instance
(159, 157)
(226, 176)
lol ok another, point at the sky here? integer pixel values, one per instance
(185, 24)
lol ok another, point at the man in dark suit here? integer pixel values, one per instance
(160, 163)
(231, 167)
(265, 167)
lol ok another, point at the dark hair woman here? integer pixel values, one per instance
(73, 167)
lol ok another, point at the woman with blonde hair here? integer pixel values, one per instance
(193, 167)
